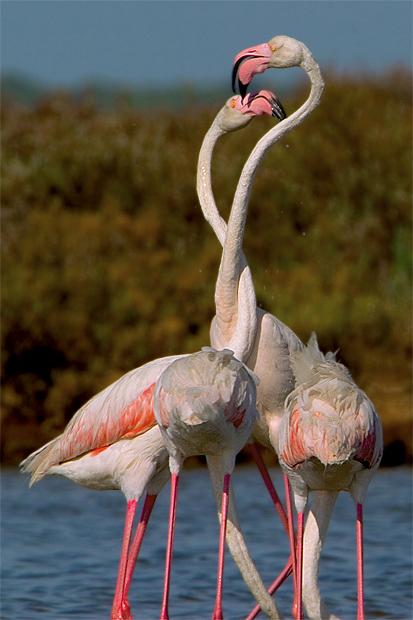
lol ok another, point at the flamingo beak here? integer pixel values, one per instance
(270, 104)
(248, 63)
(277, 107)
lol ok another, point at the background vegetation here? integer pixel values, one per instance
(108, 263)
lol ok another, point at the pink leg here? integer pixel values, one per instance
(292, 539)
(285, 573)
(217, 614)
(299, 582)
(117, 605)
(171, 532)
(291, 534)
(360, 576)
(136, 545)
(256, 454)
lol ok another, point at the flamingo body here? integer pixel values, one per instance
(331, 431)
(205, 404)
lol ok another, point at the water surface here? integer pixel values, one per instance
(60, 550)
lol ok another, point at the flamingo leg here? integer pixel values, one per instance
(136, 545)
(360, 575)
(119, 610)
(285, 573)
(291, 536)
(171, 531)
(299, 567)
(217, 613)
(256, 455)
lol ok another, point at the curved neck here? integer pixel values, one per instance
(235, 324)
(238, 215)
(204, 184)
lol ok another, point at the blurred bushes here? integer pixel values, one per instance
(108, 263)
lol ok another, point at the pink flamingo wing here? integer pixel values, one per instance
(122, 410)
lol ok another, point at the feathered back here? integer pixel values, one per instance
(191, 387)
(327, 415)
(124, 409)
(303, 362)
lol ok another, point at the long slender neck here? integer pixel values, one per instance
(236, 324)
(203, 181)
(236, 222)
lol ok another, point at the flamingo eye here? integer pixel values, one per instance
(273, 48)
(233, 103)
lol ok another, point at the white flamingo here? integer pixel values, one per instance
(271, 342)
(204, 404)
(113, 442)
(274, 342)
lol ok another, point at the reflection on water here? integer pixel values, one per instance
(61, 544)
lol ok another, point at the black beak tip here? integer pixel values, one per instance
(243, 88)
(278, 110)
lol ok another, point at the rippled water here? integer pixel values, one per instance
(61, 543)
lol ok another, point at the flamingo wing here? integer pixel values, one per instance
(122, 410)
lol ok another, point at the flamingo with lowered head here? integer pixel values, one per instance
(330, 440)
(113, 441)
(204, 404)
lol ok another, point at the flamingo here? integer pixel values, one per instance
(204, 404)
(271, 342)
(280, 52)
(330, 440)
(113, 441)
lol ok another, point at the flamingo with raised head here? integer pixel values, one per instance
(274, 342)
(330, 440)
(271, 342)
(113, 441)
(204, 404)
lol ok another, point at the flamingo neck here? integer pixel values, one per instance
(204, 184)
(238, 215)
(229, 299)
(236, 305)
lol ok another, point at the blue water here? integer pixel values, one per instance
(60, 546)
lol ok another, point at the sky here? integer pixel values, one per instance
(61, 42)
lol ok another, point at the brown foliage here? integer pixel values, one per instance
(107, 261)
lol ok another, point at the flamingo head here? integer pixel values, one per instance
(280, 52)
(238, 111)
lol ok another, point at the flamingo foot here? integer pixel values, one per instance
(123, 612)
